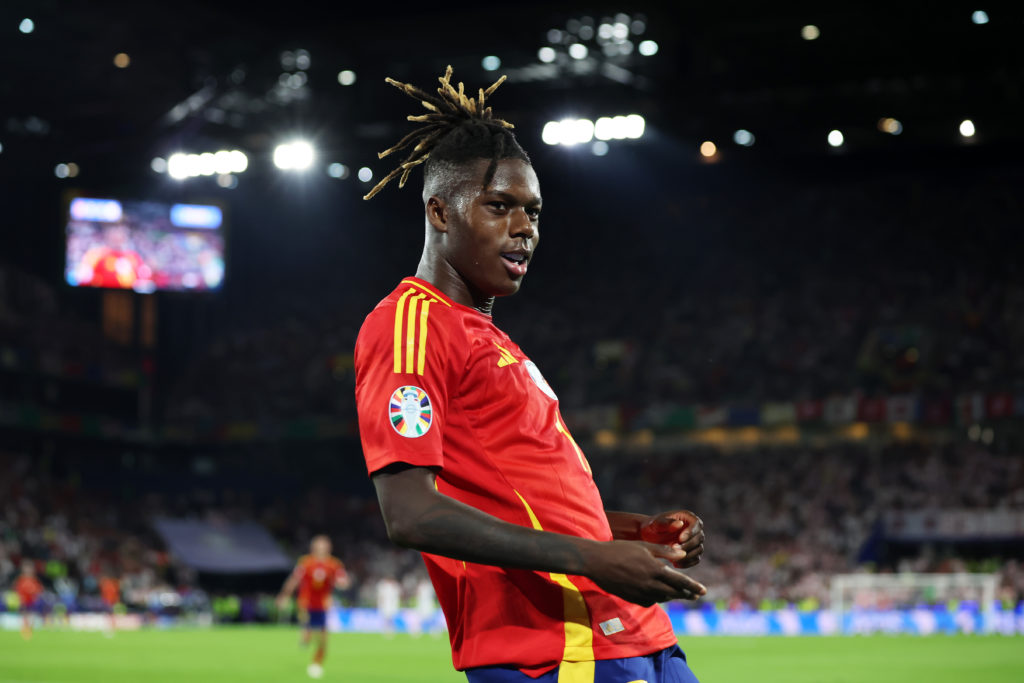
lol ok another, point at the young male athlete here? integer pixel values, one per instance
(28, 589)
(467, 449)
(316, 575)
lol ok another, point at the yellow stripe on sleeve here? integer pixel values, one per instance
(398, 329)
(410, 333)
(422, 356)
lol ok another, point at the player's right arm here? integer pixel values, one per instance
(418, 516)
(290, 584)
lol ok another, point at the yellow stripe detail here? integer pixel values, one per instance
(579, 453)
(506, 357)
(428, 290)
(398, 329)
(422, 357)
(578, 657)
(410, 333)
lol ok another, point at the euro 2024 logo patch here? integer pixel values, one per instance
(410, 412)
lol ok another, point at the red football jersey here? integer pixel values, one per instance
(318, 578)
(28, 589)
(438, 385)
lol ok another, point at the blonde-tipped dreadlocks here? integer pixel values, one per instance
(457, 128)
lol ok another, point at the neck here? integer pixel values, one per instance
(442, 275)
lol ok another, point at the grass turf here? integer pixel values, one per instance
(253, 655)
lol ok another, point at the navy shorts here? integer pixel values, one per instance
(667, 666)
(317, 619)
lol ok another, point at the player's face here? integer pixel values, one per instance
(493, 232)
(321, 547)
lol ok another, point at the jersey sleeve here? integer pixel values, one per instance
(407, 362)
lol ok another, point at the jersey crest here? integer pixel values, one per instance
(410, 412)
(539, 380)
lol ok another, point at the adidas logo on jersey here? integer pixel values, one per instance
(506, 357)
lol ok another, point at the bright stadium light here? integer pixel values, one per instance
(27, 25)
(491, 63)
(810, 32)
(835, 138)
(365, 174)
(578, 51)
(967, 128)
(339, 171)
(708, 149)
(979, 17)
(176, 166)
(551, 133)
(890, 125)
(346, 77)
(648, 48)
(61, 170)
(158, 164)
(599, 148)
(546, 54)
(634, 126)
(294, 156)
(743, 137)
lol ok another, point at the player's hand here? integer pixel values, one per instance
(641, 572)
(282, 602)
(680, 529)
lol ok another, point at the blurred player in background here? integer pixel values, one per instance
(28, 589)
(110, 593)
(468, 451)
(315, 575)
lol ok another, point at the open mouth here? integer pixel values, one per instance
(515, 263)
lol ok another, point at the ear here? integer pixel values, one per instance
(437, 213)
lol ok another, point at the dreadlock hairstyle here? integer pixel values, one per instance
(458, 128)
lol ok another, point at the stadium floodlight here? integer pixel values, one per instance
(648, 48)
(979, 17)
(578, 51)
(491, 63)
(634, 126)
(158, 164)
(599, 148)
(810, 32)
(967, 128)
(835, 138)
(297, 155)
(568, 132)
(890, 125)
(708, 149)
(27, 25)
(743, 137)
(546, 54)
(346, 77)
(339, 171)
(365, 174)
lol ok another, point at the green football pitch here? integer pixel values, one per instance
(254, 655)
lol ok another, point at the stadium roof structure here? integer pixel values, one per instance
(195, 75)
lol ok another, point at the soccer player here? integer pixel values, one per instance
(469, 454)
(318, 574)
(28, 589)
(110, 593)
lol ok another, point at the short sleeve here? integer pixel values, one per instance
(404, 361)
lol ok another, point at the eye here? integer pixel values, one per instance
(498, 206)
(533, 213)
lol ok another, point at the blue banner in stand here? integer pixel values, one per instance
(711, 622)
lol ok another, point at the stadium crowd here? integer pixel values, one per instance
(781, 522)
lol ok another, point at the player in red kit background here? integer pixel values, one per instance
(468, 451)
(316, 576)
(28, 589)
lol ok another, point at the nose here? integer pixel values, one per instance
(522, 225)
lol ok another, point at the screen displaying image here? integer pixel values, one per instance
(145, 246)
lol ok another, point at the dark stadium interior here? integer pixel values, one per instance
(869, 297)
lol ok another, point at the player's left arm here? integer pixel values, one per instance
(677, 528)
(290, 584)
(341, 578)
